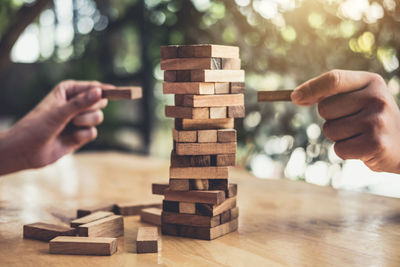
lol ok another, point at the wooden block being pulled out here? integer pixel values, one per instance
(189, 124)
(205, 148)
(122, 93)
(147, 240)
(78, 245)
(90, 218)
(134, 208)
(111, 226)
(216, 75)
(199, 173)
(208, 197)
(46, 232)
(158, 189)
(151, 215)
(279, 95)
(188, 88)
(213, 100)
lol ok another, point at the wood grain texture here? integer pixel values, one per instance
(189, 124)
(200, 63)
(190, 88)
(214, 210)
(88, 210)
(236, 112)
(218, 113)
(134, 207)
(170, 51)
(111, 226)
(225, 159)
(216, 76)
(90, 218)
(190, 161)
(200, 184)
(208, 197)
(179, 184)
(45, 231)
(184, 136)
(222, 88)
(147, 240)
(213, 100)
(207, 136)
(199, 173)
(279, 95)
(232, 190)
(222, 51)
(158, 188)
(205, 148)
(190, 219)
(237, 88)
(226, 135)
(133, 92)
(151, 216)
(187, 112)
(187, 208)
(78, 245)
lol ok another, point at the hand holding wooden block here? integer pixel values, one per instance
(280, 95)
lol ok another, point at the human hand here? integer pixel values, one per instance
(61, 123)
(362, 118)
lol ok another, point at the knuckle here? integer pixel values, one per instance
(333, 78)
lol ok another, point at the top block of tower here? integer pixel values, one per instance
(199, 51)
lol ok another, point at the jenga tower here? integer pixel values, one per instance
(208, 85)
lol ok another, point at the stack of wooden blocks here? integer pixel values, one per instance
(208, 85)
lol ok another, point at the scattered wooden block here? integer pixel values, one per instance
(190, 219)
(189, 124)
(199, 184)
(158, 189)
(46, 231)
(87, 211)
(111, 226)
(218, 113)
(226, 159)
(207, 136)
(222, 88)
(210, 50)
(184, 136)
(213, 100)
(216, 76)
(151, 215)
(189, 88)
(232, 190)
(170, 51)
(204, 209)
(279, 95)
(187, 112)
(78, 245)
(205, 148)
(187, 208)
(147, 240)
(199, 173)
(134, 208)
(179, 185)
(172, 206)
(226, 135)
(122, 93)
(208, 197)
(236, 112)
(90, 218)
(237, 88)
(190, 161)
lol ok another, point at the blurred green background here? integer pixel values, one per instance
(282, 44)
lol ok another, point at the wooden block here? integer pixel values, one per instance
(158, 189)
(170, 51)
(184, 136)
(189, 124)
(229, 215)
(78, 245)
(279, 95)
(111, 226)
(232, 190)
(186, 51)
(199, 173)
(216, 75)
(133, 92)
(218, 113)
(170, 76)
(197, 64)
(151, 215)
(90, 218)
(230, 64)
(179, 184)
(208, 197)
(190, 219)
(183, 76)
(171, 206)
(213, 100)
(222, 51)
(134, 208)
(199, 184)
(178, 100)
(237, 88)
(188, 88)
(226, 135)
(207, 136)
(222, 88)
(188, 208)
(236, 112)
(87, 211)
(218, 184)
(214, 210)
(147, 240)
(205, 148)
(187, 112)
(46, 231)
(226, 159)
(190, 161)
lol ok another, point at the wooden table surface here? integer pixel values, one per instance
(282, 223)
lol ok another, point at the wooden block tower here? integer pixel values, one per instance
(208, 85)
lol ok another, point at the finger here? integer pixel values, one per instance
(343, 128)
(88, 119)
(102, 103)
(73, 88)
(84, 136)
(331, 83)
(356, 148)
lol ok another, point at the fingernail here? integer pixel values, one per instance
(297, 95)
(94, 94)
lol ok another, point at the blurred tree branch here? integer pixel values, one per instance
(24, 16)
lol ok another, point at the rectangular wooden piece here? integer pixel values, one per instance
(78, 245)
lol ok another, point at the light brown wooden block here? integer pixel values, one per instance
(188, 88)
(170, 51)
(199, 173)
(90, 218)
(199, 184)
(205, 148)
(197, 64)
(187, 112)
(237, 88)
(134, 207)
(226, 159)
(190, 161)
(230, 64)
(232, 190)
(46, 231)
(184, 136)
(151, 215)
(111, 226)
(213, 100)
(87, 211)
(279, 95)
(226, 135)
(189, 124)
(218, 113)
(190, 219)
(158, 189)
(207, 136)
(213, 210)
(133, 92)
(208, 197)
(147, 240)
(236, 112)
(78, 245)
(222, 88)
(217, 75)
(222, 51)
(187, 208)
(179, 185)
